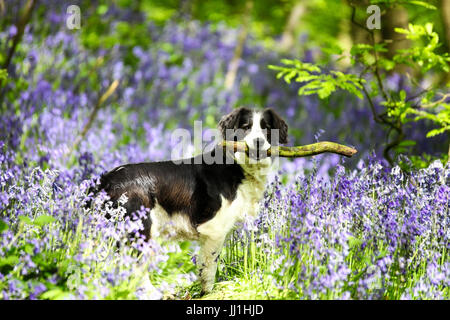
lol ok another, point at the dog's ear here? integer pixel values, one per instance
(230, 121)
(276, 122)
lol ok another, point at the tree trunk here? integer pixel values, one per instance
(445, 11)
(396, 17)
(233, 67)
(288, 37)
(358, 34)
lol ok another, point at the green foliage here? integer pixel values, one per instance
(403, 2)
(423, 53)
(3, 74)
(442, 118)
(422, 161)
(323, 23)
(369, 55)
(424, 56)
(315, 82)
(3, 226)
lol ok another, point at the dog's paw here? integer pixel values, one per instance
(206, 289)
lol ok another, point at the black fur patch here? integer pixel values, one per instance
(194, 190)
(240, 118)
(271, 120)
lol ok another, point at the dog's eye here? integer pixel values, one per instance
(246, 126)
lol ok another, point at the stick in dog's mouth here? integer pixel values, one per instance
(295, 152)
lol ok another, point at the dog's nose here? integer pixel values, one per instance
(258, 143)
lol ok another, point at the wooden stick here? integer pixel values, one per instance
(296, 152)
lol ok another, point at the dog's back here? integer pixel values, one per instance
(191, 190)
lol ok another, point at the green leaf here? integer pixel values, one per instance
(315, 82)
(359, 95)
(354, 242)
(3, 74)
(25, 220)
(436, 132)
(28, 248)
(3, 226)
(403, 95)
(423, 4)
(54, 294)
(9, 260)
(407, 143)
(43, 220)
(185, 245)
(429, 28)
(386, 64)
(326, 90)
(401, 30)
(102, 9)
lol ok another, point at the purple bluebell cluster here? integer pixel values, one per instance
(53, 246)
(177, 80)
(373, 233)
(368, 233)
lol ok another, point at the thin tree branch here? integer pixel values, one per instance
(393, 144)
(435, 103)
(94, 112)
(380, 118)
(20, 25)
(372, 106)
(372, 39)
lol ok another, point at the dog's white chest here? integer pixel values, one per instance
(246, 203)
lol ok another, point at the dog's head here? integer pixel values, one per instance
(259, 129)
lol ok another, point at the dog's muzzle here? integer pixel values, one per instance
(257, 148)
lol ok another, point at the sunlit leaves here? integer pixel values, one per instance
(3, 74)
(3, 226)
(314, 81)
(423, 4)
(423, 53)
(441, 118)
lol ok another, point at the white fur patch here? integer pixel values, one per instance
(176, 227)
(248, 195)
(222, 222)
(256, 132)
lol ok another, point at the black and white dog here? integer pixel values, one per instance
(203, 201)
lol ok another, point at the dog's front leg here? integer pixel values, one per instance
(209, 254)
